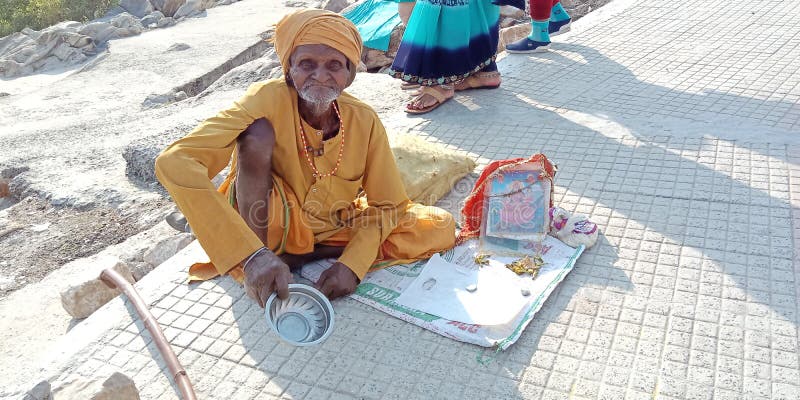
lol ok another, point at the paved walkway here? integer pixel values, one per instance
(676, 127)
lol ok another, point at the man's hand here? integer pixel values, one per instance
(266, 273)
(337, 281)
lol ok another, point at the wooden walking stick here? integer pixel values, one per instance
(114, 280)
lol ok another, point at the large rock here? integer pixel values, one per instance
(139, 8)
(116, 387)
(28, 50)
(151, 20)
(336, 5)
(39, 392)
(192, 7)
(127, 21)
(101, 32)
(166, 22)
(377, 59)
(167, 7)
(83, 298)
(167, 248)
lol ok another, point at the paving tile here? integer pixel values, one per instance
(691, 292)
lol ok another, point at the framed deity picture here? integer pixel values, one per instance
(516, 218)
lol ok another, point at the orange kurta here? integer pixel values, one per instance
(325, 210)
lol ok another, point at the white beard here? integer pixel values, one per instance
(319, 98)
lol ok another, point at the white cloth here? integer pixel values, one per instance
(441, 290)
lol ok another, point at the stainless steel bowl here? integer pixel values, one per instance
(305, 318)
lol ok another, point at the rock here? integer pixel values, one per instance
(335, 5)
(140, 270)
(192, 7)
(4, 94)
(127, 32)
(167, 7)
(39, 392)
(116, 387)
(4, 192)
(152, 19)
(166, 22)
(513, 12)
(179, 47)
(297, 3)
(75, 39)
(507, 22)
(155, 100)
(167, 248)
(260, 69)
(139, 8)
(375, 59)
(101, 32)
(82, 299)
(126, 21)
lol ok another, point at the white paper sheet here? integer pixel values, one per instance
(441, 290)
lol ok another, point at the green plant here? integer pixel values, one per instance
(37, 14)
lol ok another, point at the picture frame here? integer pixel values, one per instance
(515, 216)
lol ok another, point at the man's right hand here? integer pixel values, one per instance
(266, 273)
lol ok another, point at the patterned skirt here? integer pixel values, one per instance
(446, 41)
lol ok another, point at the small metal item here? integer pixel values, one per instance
(482, 259)
(525, 292)
(471, 288)
(305, 318)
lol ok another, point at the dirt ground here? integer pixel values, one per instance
(36, 238)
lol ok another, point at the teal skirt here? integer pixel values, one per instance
(447, 40)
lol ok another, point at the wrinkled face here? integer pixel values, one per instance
(319, 72)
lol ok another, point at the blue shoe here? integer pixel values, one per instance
(526, 45)
(559, 27)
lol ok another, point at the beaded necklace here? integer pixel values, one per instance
(307, 149)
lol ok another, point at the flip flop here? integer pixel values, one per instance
(474, 81)
(438, 96)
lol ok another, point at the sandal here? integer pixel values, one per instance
(440, 98)
(475, 81)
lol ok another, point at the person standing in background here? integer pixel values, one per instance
(549, 18)
(448, 45)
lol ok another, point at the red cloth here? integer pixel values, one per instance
(540, 9)
(472, 212)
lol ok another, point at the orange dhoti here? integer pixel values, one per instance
(421, 231)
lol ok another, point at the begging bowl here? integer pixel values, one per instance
(305, 318)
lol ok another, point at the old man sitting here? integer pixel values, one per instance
(312, 174)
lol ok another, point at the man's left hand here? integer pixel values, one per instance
(337, 281)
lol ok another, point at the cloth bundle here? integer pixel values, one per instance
(573, 230)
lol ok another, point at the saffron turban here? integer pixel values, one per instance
(314, 26)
